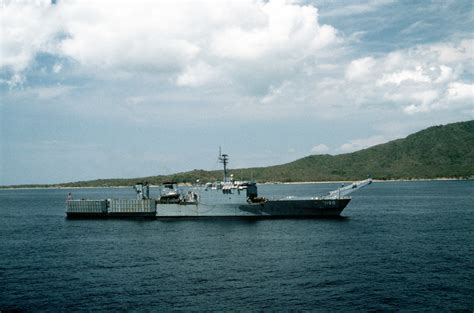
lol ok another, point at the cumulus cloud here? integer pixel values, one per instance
(284, 30)
(449, 53)
(188, 43)
(26, 30)
(397, 78)
(421, 79)
(424, 99)
(460, 91)
(358, 144)
(273, 58)
(320, 149)
(360, 68)
(197, 75)
(446, 74)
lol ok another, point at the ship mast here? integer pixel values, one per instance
(224, 159)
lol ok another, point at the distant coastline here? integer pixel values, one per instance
(20, 187)
(436, 153)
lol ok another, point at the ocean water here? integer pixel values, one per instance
(399, 246)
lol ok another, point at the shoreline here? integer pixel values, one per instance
(266, 183)
(374, 180)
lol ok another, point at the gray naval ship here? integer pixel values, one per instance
(229, 198)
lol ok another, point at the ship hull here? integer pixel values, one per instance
(88, 215)
(208, 203)
(85, 215)
(267, 209)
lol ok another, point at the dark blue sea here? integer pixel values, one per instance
(400, 246)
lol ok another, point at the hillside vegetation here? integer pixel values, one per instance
(436, 152)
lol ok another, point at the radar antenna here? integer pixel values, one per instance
(224, 159)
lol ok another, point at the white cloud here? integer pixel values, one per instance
(133, 37)
(421, 79)
(446, 74)
(358, 144)
(57, 68)
(459, 91)
(197, 75)
(188, 43)
(424, 99)
(446, 53)
(397, 78)
(26, 30)
(360, 68)
(280, 29)
(272, 58)
(320, 149)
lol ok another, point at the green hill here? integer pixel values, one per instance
(436, 152)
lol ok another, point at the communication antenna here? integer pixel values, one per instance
(224, 159)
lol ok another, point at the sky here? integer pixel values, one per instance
(108, 89)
